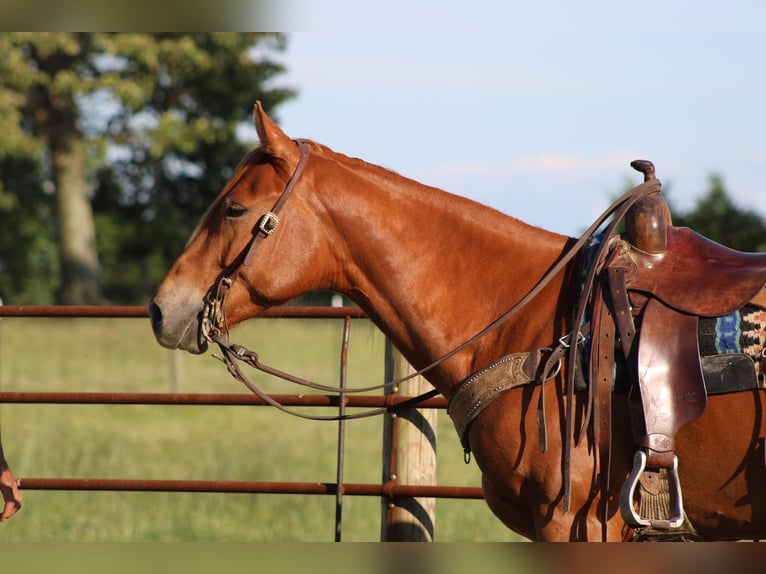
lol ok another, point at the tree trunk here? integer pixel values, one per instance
(77, 232)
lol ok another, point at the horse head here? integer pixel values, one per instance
(222, 247)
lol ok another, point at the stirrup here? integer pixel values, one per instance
(676, 504)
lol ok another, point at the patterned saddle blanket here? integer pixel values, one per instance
(732, 350)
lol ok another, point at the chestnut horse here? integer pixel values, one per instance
(432, 269)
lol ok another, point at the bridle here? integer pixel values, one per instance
(213, 324)
(213, 327)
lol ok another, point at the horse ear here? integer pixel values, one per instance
(273, 140)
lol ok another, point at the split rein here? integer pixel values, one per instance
(214, 328)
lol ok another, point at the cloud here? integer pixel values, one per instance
(609, 164)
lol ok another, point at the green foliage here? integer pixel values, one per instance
(718, 218)
(28, 253)
(159, 113)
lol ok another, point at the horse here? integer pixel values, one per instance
(431, 269)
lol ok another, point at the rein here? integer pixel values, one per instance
(214, 327)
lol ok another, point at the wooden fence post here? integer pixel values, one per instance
(409, 457)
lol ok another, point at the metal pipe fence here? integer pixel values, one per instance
(390, 490)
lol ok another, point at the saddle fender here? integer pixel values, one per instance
(669, 377)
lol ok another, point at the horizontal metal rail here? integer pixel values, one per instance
(285, 312)
(90, 398)
(390, 489)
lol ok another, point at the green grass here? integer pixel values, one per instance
(199, 443)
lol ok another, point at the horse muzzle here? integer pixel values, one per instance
(177, 326)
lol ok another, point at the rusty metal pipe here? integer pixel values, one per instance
(286, 312)
(210, 399)
(389, 489)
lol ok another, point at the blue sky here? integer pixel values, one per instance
(536, 108)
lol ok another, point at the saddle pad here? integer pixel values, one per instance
(729, 373)
(738, 334)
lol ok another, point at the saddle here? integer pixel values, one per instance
(654, 284)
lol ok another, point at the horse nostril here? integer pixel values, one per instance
(155, 315)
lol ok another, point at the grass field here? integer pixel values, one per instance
(199, 442)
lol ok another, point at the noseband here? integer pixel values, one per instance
(213, 324)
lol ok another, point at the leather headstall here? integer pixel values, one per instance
(213, 323)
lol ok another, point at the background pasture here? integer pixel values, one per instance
(199, 442)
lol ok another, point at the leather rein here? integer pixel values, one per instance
(214, 329)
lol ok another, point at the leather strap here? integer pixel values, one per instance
(618, 296)
(602, 378)
(476, 392)
(268, 223)
(619, 212)
(264, 227)
(213, 316)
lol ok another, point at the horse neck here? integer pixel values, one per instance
(432, 269)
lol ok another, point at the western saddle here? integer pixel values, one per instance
(653, 285)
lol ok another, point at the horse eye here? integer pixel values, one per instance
(234, 211)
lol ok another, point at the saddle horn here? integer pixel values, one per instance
(647, 221)
(644, 166)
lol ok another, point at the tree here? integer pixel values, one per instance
(134, 134)
(28, 254)
(716, 217)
